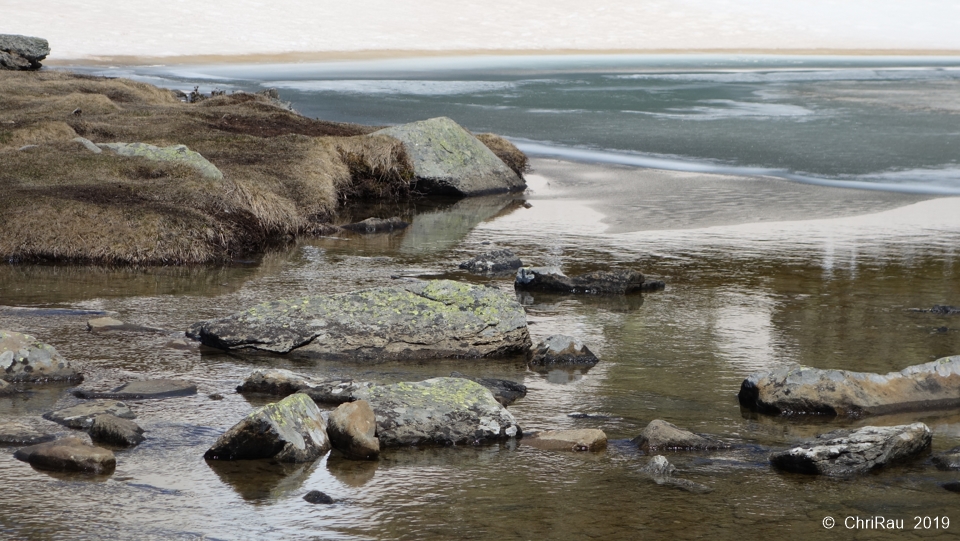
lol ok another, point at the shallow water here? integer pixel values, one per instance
(740, 298)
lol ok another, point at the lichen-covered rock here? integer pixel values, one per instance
(848, 452)
(664, 436)
(617, 282)
(174, 153)
(444, 411)
(24, 358)
(949, 460)
(16, 433)
(291, 430)
(143, 390)
(68, 454)
(586, 439)
(377, 225)
(113, 430)
(280, 382)
(799, 389)
(449, 160)
(82, 415)
(415, 320)
(506, 392)
(493, 262)
(352, 428)
(561, 349)
(22, 52)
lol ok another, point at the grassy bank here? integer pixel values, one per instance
(284, 175)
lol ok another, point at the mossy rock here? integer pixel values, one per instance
(24, 358)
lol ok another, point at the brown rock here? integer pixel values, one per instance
(661, 435)
(588, 439)
(352, 429)
(68, 454)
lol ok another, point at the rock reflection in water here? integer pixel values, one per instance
(353, 473)
(262, 481)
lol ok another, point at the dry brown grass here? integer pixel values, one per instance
(507, 152)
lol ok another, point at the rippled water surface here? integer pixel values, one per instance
(828, 293)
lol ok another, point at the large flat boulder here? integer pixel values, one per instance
(609, 282)
(143, 390)
(414, 320)
(24, 358)
(443, 411)
(848, 452)
(449, 160)
(799, 389)
(16, 433)
(291, 430)
(22, 52)
(68, 454)
(82, 415)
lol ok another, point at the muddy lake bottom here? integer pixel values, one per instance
(831, 292)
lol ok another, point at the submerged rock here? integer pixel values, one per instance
(6, 388)
(659, 466)
(103, 324)
(415, 320)
(449, 160)
(587, 439)
(14, 433)
(952, 486)
(660, 471)
(280, 382)
(174, 153)
(22, 52)
(377, 225)
(506, 392)
(661, 435)
(352, 429)
(82, 415)
(113, 430)
(291, 430)
(445, 411)
(799, 389)
(564, 350)
(616, 282)
(24, 358)
(315, 497)
(949, 460)
(941, 309)
(494, 262)
(68, 454)
(142, 390)
(847, 452)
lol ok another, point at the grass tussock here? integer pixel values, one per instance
(507, 152)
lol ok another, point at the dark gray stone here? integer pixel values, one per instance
(113, 430)
(414, 320)
(949, 460)
(280, 382)
(377, 225)
(291, 430)
(143, 390)
(22, 52)
(849, 452)
(68, 454)
(505, 391)
(617, 282)
(664, 436)
(315, 497)
(82, 415)
(562, 350)
(494, 262)
(952, 486)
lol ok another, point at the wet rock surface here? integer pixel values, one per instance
(82, 415)
(449, 160)
(352, 429)
(24, 358)
(506, 392)
(415, 320)
(68, 454)
(22, 52)
(442, 411)
(280, 382)
(377, 225)
(317, 497)
(661, 471)
(949, 460)
(143, 390)
(940, 309)
(15, 433)
(616, 282)
(493, 262)
(663, 436)
(849, 452)
(586, 439)
(798, 389)
(291, 430)
(562, 350)
(952, 486)
(113, 430)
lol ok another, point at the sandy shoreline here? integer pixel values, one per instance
(389, 54)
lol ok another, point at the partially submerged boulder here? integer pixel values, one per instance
(586, 439)
(562, 350)
(949, 460)
(660, 471)
(352, 429)
(174, 153)
(799, 389)
(16, 433)
(663, 436)
(291, 430)
(552, 279)
(68, 454)
(444, 411)
(449, 160)
(106, 323)
(377, 225)
(143, 390)
(24, 358)
(280, 382)
(82, 415)
(492, 262)
(22, 52)
(848, 452)
(414, 320)
(506, 392)
(113, 430)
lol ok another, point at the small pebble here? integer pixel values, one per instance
(215, 396)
